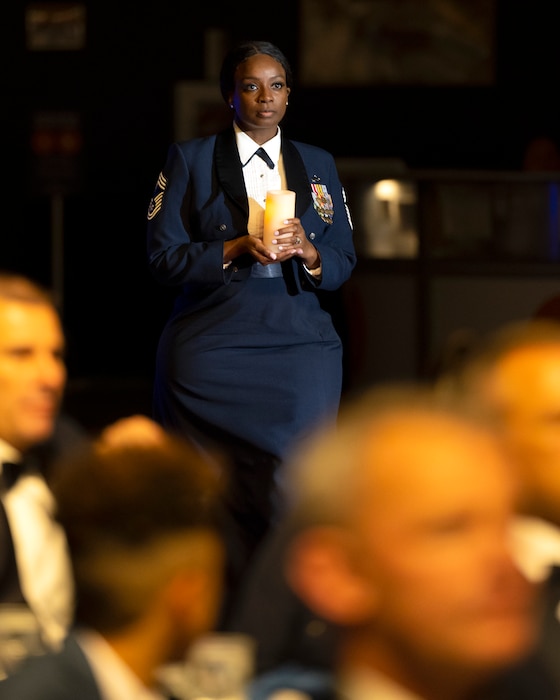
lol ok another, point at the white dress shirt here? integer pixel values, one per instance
(41, 553)
(259, 178)
(536, 546)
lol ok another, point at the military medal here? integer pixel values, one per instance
(322, 201)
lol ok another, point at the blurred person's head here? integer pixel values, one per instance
(404, 518)
(515, 376)
(32, 367)
(142, 515)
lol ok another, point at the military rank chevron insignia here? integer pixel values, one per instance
(157, 199)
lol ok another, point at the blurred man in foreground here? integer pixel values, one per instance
(34, 567)
(404, 518)
(513, 375)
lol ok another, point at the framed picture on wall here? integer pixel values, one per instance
(55, 26)
(397, 42)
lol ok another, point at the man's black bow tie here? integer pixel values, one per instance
(11, 471)
(264, 155)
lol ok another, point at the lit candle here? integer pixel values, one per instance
(280, 205)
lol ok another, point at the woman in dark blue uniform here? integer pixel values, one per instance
(249, 360)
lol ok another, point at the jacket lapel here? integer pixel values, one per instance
(296, 176)
(230, 174)
(228, 169)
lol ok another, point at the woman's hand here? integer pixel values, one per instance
(290, 240)
(252, 245)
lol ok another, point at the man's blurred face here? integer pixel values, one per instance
(32, 372)
(524, 391)
(433, 527)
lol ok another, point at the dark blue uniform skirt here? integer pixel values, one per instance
(250, 376)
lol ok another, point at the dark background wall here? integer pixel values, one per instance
(121, 85)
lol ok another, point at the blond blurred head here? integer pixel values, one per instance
(404, 514)
(514, 376)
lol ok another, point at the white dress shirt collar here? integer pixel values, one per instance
(114, 678)
(8, 453)
(536, 546)
(247, 147)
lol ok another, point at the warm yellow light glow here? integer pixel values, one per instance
(387, 190)
(280, 205)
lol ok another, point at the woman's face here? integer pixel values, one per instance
(260, 96)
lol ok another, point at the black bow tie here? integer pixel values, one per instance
(264, 155)
(11, 471)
